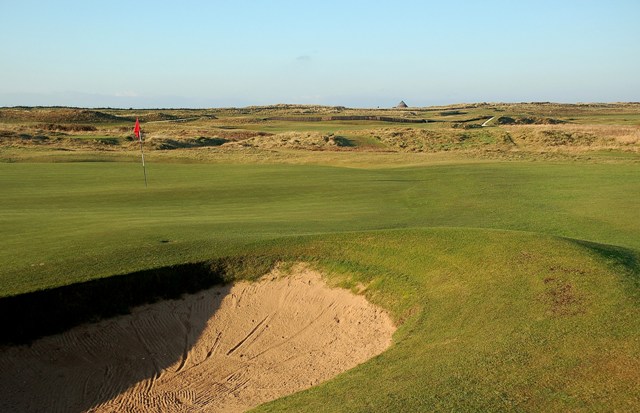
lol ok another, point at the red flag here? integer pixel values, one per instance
(136, 130)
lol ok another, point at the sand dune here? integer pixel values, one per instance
(224, 349)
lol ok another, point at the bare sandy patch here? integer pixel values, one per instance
(223, 349)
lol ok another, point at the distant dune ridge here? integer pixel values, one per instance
(487, 129)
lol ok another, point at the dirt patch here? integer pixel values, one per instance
(223, 349)
(562, 298)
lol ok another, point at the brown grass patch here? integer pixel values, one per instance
(562, 298)
(577, 136)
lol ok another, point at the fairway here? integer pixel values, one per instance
(506, 257)
(72, 222)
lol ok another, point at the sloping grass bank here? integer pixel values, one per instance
(490, 321)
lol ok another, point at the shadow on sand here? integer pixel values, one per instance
(81, 366)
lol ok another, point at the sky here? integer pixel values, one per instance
(353, 53)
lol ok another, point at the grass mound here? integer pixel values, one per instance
(56, 127)
(156, 117)
(58, 115)
(293, 140)
(528, 120)
(488, 320)
(438, 140)
(168, 143)
(491, 321)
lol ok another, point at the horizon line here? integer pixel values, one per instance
(322, 105)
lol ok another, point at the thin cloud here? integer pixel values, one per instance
(126, 94)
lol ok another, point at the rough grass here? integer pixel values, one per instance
(562, 128)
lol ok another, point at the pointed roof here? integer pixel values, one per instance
(402, 104)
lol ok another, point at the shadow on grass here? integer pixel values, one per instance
(621, 257)
(80, 368)
(344, 142)
(32, 315)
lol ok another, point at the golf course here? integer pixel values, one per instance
(481, 257)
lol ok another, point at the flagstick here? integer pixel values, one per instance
(143, 167)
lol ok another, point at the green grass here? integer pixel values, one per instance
(612, 154)
(62, 223)
(631, 119)
(327, 127)
(493, 321)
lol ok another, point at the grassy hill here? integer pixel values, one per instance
(493, 321)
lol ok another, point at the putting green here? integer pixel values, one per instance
(63, 223)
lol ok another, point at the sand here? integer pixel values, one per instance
(224, 349)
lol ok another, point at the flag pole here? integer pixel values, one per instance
(138, 132)
(144, 168)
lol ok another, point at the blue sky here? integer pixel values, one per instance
(352, 53)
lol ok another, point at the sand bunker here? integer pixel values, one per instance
(224, 349)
